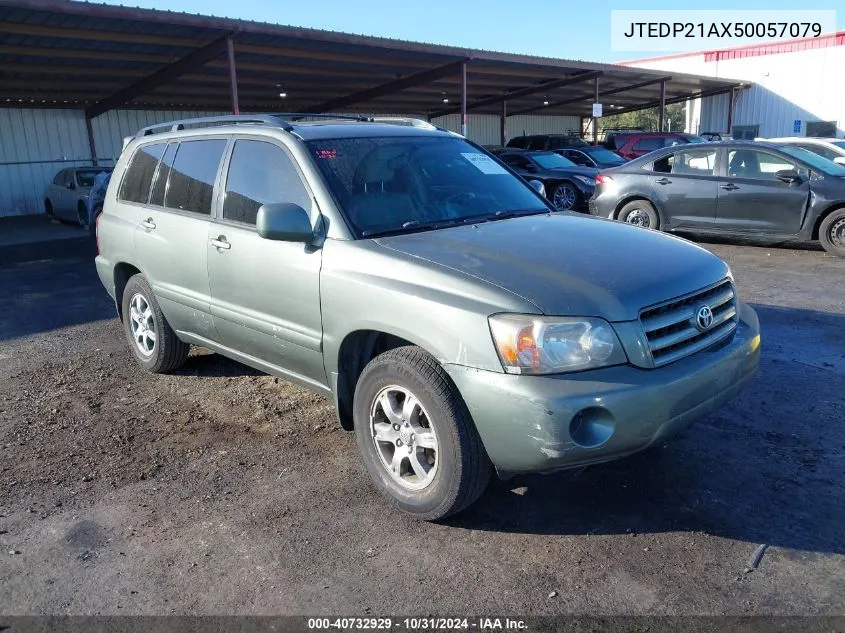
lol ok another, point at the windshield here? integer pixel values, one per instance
(840, 144)
(694, 139)
(605, 156)
(819, 163)
(85, 177)
(550, 160)
(402, 184)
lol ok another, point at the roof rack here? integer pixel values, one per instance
(276, 119)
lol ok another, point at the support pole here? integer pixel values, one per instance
(503, 125)
(233, 76)
(595, 118)
(464, 98)
(731, 100)
(661, 117)
(91, 144)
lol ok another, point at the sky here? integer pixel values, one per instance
(553, 28)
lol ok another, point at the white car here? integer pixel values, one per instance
(829, 148)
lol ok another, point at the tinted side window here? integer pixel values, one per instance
(60, 178)
(136, 181)
(259, 173)
(519, 141)
(700, 162)
(163, 173)
(191, 183)
(537, 142)
(515, 161)
(648, 144)
(579, 158)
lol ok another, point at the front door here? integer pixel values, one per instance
(171, 240)
(753, 199)
(265, 295)
(685, 185)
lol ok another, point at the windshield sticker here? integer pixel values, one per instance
(327, 153)
(485, 164)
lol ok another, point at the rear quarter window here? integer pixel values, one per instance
(139, 174)
(191, 183)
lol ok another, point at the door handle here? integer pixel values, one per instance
(148, 224)
(729, 187)
(220, 242)
(663, 181)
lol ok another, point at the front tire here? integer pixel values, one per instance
(152, 340)
(565, 196)
(640, 213)
(416, 436)
(832, 233)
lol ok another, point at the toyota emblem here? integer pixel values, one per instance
(704, 318)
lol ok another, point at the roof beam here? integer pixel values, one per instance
(603, 93)
(160, 77)
(698, 95)
(389, 88)
(523, 92)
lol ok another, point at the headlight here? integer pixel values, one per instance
(529, 344)
(590, 182)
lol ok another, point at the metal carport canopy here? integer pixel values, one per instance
(98, 57)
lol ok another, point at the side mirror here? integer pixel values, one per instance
(538, 186)
(530, 167)
(284, 222)
(839, 160)
(787, 175)
(70, 185)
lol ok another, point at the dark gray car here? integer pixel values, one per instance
(736, 188)
(457, 323)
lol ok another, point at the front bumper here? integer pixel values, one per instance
(547, 423)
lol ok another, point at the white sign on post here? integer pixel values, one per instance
(596, 110)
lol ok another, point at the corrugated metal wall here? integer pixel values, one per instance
(795, 84)
(35, 144)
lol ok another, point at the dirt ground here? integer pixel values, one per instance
(218, 490)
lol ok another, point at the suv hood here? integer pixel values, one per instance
(570, 265)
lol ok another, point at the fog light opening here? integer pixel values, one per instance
(592, 427)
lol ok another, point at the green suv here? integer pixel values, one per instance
(458, 322)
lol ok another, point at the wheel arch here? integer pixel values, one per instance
(123, 271)
(357, 349)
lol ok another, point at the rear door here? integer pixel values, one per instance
(265, 294)
(751, 197)
(685, 186)
(171, 238)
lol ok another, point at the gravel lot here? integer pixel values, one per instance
(218, 490)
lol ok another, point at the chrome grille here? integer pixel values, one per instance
(671, 329)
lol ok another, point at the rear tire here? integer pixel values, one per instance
(150, 337)
(416, 436)
(82, 215)
(640, 213)
(832, 233)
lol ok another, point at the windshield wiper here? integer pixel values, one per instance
(411, 226)
(504, 214)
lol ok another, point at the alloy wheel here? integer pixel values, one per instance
(142, 323)
(564, 198)
(404, 438)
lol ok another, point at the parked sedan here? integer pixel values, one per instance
(66, 197)
(568, 186)
(829, 148)
(592, 156)
(738, 188)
